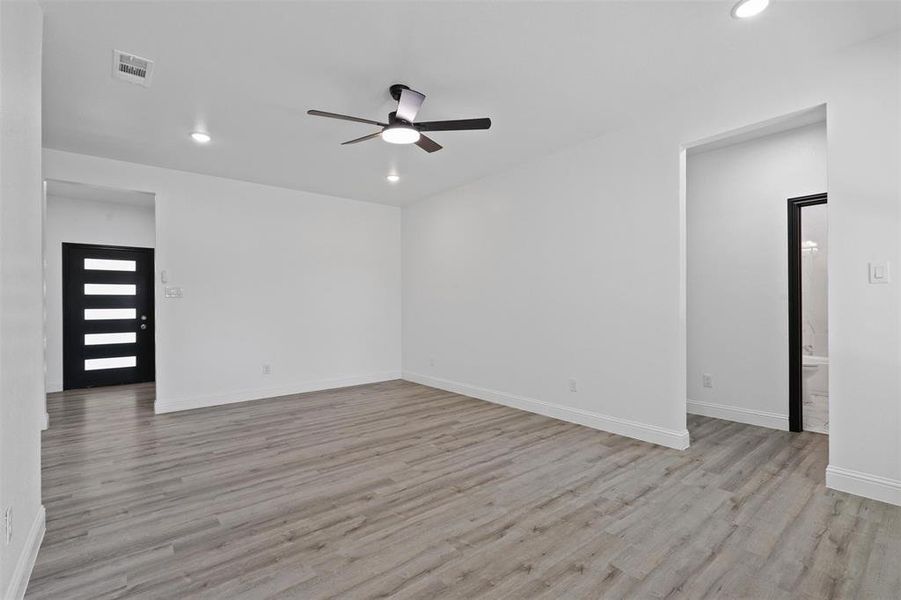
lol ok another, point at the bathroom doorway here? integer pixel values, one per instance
(808, 314)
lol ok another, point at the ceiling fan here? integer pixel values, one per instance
(401, 128)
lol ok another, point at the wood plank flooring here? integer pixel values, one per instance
(403, 491)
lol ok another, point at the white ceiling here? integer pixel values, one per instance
(549, 74)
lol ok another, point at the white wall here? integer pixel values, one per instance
(86, 222)
(566, 268)
(571, 265)
(307, 283)
(737, 271)
(21, 313)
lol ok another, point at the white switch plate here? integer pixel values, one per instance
(707, 380)
(879, 273)
(174, 292)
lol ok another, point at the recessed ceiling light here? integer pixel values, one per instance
(393, 178)
(201, 137)
(748, 8)
(400, 134)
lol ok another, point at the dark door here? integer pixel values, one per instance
(107, 315)
(795, 313)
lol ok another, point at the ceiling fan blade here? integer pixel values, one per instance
(458, 125)
(320, 113)
(428, 144)
(408, 105)
(362, 139)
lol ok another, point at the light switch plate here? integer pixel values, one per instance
(879, 273)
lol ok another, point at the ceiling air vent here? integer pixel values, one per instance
(134, 69)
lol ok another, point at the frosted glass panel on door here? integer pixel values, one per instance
(110, 289)
(116, 362)
(98, 314)
(102, 264)
(95, 339)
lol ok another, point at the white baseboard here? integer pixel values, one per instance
(648, 433)
(22, 573)
(167, 405)
(750, 416)
(864, 484)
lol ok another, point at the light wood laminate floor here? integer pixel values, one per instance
(403, 491)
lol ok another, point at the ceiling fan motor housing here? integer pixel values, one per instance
(393, 120)
(396, 89)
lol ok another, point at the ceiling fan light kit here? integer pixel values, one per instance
(745, 9)
(401, 127)
(400, 134)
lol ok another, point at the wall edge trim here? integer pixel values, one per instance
(18, 583)
(748, 416)
(875, 487)
(169, 405)
(670, 438)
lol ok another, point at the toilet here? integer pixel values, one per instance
(815, 393)
(808, 370)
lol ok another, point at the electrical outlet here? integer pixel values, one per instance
(707, 380)
(267, 369)
(8, 524)
(573, 386)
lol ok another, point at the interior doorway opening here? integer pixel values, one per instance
(738, 363)
(99, 281)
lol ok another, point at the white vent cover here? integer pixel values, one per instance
(134, 69)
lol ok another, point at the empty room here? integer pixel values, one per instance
(450, 299)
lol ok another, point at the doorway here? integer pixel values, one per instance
(108, 329)
(807, 314)
(736, 277)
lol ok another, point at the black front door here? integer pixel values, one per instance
(107, 315)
